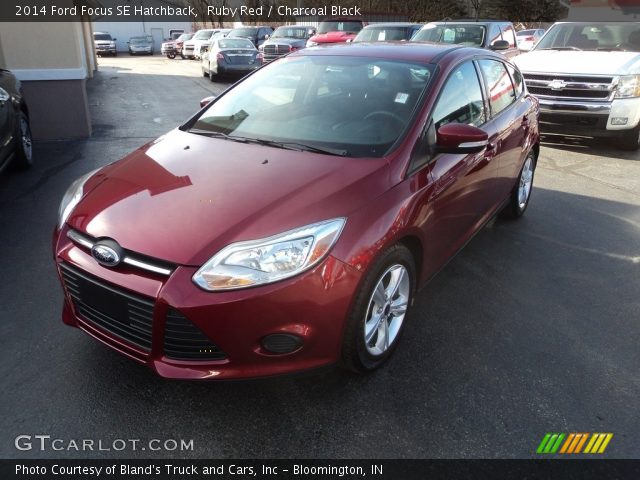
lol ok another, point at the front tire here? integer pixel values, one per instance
(24, 147)
(630, 139)
(378, 315)
(521, 193)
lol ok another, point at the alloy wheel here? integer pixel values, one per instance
(386, 310)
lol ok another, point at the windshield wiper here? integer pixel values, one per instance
(208, 133)
(302, 147)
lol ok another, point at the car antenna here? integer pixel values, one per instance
(446, 19)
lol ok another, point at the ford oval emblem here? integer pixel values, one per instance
(105, 255)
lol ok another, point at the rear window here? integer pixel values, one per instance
(340, 27)
(235, 43)
(383, 34)
(243, 32)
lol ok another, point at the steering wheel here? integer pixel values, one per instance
(384, 113)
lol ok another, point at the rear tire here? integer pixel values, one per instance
(630, 139)
(521, 193)
(171, 56)
(24, 148)
(379, 313)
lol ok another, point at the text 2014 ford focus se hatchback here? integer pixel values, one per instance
(289, 223)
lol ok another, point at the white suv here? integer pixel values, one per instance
(191, 48)
(586, 76)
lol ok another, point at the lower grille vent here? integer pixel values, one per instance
(184, 341)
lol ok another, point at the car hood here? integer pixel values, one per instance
(184, 197)
(333, 37)
(575, 62)
(169, 44)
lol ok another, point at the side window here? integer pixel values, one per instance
(494, 34)
(516, 76)
(499, 86)
(509, 35)
(461, 99)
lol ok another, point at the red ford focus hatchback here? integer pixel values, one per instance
(289, 223)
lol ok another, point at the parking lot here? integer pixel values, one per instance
(534, 327)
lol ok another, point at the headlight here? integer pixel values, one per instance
(258, 262)
(311, 44)
(71, 197)
(628, 86)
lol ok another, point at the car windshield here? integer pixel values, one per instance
(184, 37)
(235, 43)
(203, 35)
(462, 34)
(289, 32)
(139, 41)
(351, 106)
(381, 34)
(526, 33)
(101, 36)
(340, 27)
(592, 36)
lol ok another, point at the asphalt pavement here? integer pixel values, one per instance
(534, 327)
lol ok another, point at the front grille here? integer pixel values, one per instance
(271, 52)
(568, 78)
(571, 87)
(184, 341)
(121, 313)
(570, 93)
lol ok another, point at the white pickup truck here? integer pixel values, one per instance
(587, 78)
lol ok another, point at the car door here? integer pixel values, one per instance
(463, 183)
(6, 120)
(509, 117)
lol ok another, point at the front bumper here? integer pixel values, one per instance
(312, 306)
(598, 119)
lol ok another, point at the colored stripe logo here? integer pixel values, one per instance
(574, 443)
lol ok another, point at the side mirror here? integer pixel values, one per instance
(500, 45)
(349, 40)
(206, 101)
(460, 138)
(266, 37)
(115, 39)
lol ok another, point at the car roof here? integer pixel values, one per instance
(414, 52)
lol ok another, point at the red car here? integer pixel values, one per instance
(289, 223)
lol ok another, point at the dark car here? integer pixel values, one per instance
(257, 35)
(300, 210)
(490, 34)
(15, 133)
(285, 40)
(229, 56)
(385, 32)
